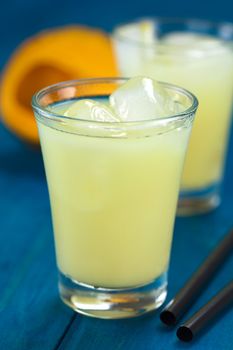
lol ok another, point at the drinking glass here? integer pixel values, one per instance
(156, 48)
(113, 191)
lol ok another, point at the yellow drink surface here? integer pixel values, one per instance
(210, 78)
(113, 203)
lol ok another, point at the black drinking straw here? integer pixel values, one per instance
(195, 285)
(206, 314)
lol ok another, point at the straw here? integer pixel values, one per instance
(206, 314)
(195, 285)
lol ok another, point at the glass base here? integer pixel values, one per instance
(198, 202)
(112, 303)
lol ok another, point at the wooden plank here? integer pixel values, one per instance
(31, 314)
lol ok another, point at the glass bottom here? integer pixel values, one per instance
(112, 303)
(198, 202)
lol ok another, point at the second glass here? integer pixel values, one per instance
(157, 48)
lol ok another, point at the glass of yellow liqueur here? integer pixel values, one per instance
(113, 151)
(197, 55)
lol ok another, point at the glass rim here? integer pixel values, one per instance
(50, 115)
(161, 48)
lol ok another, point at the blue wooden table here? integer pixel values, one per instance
(31, 315)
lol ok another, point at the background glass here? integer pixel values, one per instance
(207, 73)
(113, 191)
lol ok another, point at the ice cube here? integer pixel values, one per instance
(91, 110)
(142, 32)
(133, 45)
(181, 38)
(196, 42)
(141, 98)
